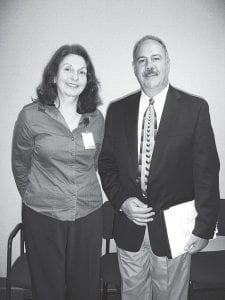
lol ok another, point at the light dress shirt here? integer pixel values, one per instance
(159, 101)
(54, 173)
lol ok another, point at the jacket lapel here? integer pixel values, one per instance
(131, 110)
(166, 126)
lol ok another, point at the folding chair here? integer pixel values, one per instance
(18, 275)
(208, 266)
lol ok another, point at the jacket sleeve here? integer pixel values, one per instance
(107, 166)
(206, 175)
(22, 147)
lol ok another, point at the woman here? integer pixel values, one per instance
(56, 143)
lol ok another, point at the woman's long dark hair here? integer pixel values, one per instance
(47, 90)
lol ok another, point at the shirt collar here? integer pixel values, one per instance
(161, 97)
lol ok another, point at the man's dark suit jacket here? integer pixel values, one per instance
(184, 166)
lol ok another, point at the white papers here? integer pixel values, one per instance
(180, 221)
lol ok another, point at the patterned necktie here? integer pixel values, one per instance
(149, 129)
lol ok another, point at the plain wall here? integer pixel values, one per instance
(31, 30)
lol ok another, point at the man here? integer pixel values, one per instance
(180, 164)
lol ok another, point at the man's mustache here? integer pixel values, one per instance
(150, 72)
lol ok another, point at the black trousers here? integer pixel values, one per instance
(63, 256)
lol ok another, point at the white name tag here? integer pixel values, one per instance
(88, 140)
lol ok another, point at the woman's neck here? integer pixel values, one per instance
(68, 109)
(67, 103)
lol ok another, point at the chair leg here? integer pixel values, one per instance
(190, 291)
(104, 291)
(8, 289)
(119, 289)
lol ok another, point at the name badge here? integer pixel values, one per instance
(88, 140)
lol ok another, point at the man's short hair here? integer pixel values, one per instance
(145, 38)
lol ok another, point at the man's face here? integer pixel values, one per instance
(151, 67)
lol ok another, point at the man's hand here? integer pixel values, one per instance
(137, 211)
(195, 244)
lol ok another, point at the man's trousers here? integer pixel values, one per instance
(146, 276)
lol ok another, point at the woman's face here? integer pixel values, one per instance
(71, 79)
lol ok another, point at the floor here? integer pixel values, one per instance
(19, 294)
(209, 295)
(23, 295)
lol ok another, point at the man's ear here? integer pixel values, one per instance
(168, 62)
(134, 67)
